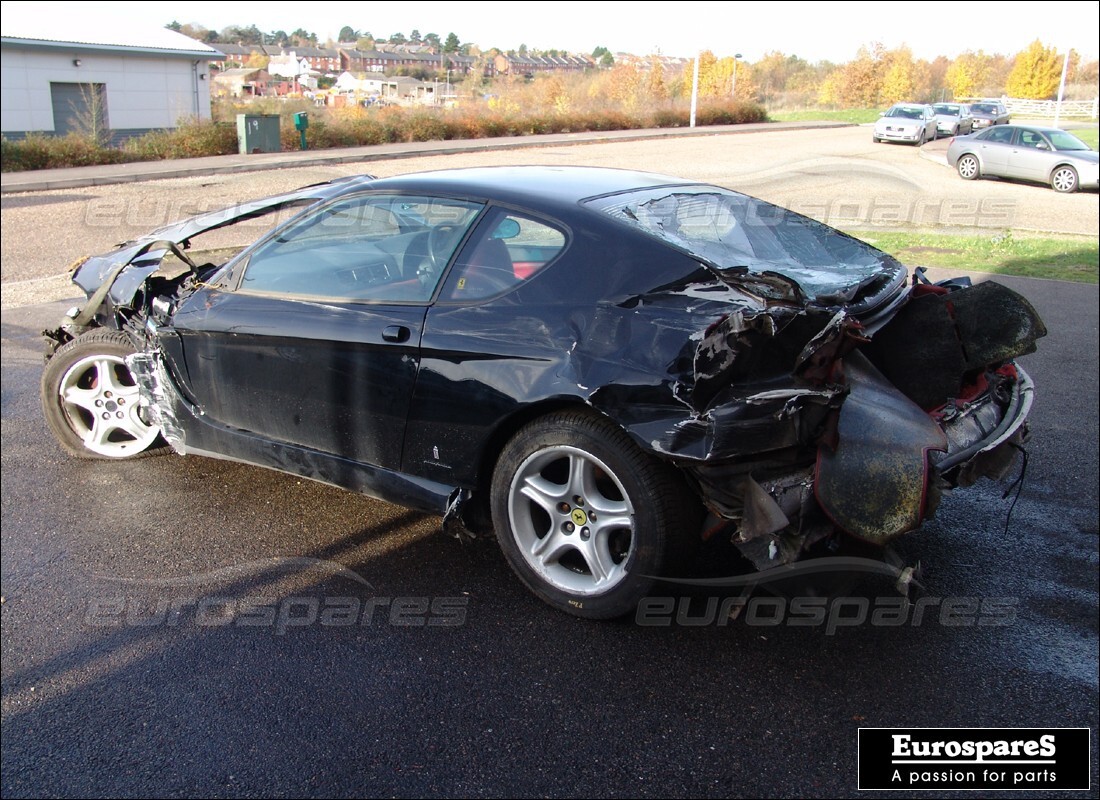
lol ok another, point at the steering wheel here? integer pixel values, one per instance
(440, 239)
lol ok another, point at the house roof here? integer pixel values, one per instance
(113, 34)
(242, 72)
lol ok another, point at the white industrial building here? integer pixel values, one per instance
(115, 79)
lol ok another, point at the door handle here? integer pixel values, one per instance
(396, 333)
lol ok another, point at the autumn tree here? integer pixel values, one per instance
(904, 78)
(857, 84)
(655, 86)
(1036, 73)
(968, 74)
(554, 94)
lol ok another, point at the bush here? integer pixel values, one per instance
(39, 151)
(192, 139)
(354, 127)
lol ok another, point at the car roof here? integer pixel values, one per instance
(534, 186)
(1039, 128)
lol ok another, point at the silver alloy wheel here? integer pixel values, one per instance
(968, 167)
(572, 520)
(100, 401)
(1064, 179)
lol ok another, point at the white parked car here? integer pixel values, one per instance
(914, 123)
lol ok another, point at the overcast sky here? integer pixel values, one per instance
(814, 30)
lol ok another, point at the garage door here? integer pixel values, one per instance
(80, 108)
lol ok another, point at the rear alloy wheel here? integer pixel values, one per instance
(91, 400)
(585, 518)
(968, 167)
(1064, 179)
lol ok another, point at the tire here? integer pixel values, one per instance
(90, 399)
(968, 167)
(1064, 179)
(586, 519)
(922, 138)
(875, 139)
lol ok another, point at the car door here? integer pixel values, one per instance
(313, 337)
(931, 126)
(966, 121)
(993, 148)
(1031, 157)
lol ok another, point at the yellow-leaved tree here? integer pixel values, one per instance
(1036, 73)
(903, 77)
(967, 74)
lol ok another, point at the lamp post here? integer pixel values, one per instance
(694, 91)
(733, 91)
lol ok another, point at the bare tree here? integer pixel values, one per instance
(90, 113)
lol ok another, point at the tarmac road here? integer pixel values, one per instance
(463, 684)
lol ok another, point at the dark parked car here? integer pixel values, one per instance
(1027, 152)
(600, 366)
(988, 113)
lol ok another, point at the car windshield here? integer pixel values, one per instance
(984, 108)
(951, 111)
(729, 231)
(906, 112)
(1066, 141)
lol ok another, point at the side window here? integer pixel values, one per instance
(1030, 139)
(505, 250)
(390, 248)
(999, 135)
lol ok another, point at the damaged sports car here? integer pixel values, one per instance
(602, 367)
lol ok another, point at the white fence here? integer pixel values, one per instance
(1071, 109)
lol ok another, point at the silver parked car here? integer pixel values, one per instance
(906, 122)
(1029, 153)
(953, 119)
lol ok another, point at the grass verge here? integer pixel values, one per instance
(857, 115)
(1090, 136)
(1063, 259)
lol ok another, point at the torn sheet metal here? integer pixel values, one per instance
(874, 484)
(158, 399)
(938, 340)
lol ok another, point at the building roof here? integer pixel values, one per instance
(241, 72)
(114, 34)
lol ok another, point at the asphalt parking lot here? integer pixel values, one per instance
(175, 626)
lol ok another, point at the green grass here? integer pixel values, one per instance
(1090, 136)
(1063, 259)
(857, 115)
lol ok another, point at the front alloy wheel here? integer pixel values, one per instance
(586, 519)
(1064, 179)
(91, 400)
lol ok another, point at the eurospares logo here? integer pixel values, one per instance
(953, 759)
